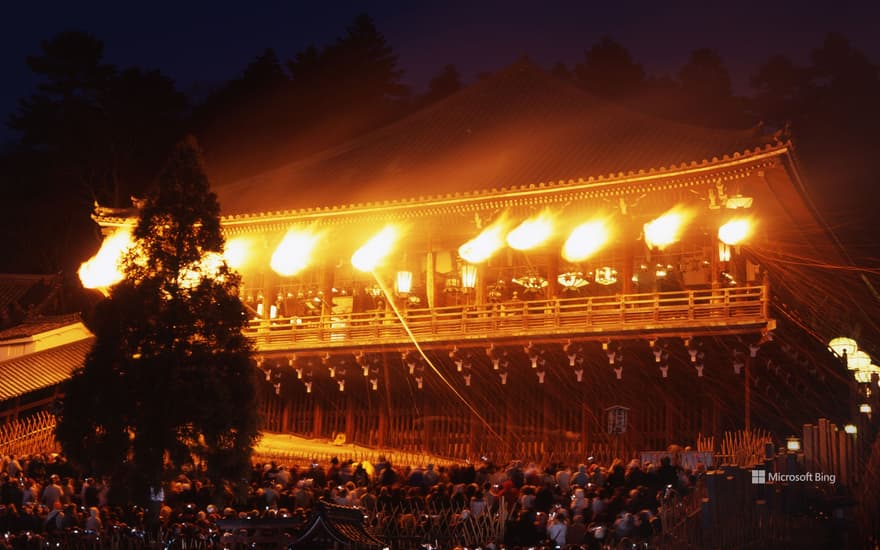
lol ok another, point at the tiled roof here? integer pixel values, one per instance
(521, 126)
(38, 325)
(24, 289)
(43, 369)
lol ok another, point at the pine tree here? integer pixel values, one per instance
(170, 377)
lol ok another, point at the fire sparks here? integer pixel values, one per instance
(371, 254)
(585, 240)
(483, 245)
(666, 229)
(734, 231)
(104, 269)
(531, 233)
(236, 252)
(294, 253)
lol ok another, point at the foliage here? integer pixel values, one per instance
(89, 132)
(170, 376)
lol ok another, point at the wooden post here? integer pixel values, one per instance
(349, 419)
(318, 419)
(430, 290)
(748, 393)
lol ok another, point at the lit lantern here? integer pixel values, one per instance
(851, 429)
(404, 282)
(793, 444)
(865, 408)
(858, 361)
(842, 345)
(468, 276)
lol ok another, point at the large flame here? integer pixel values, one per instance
(483, 245)
(735, 231)
(666, 229)
(295, 252)
(585, 240)
(236, 252)
(371, 254)
(208, 266)
(531, 233)
(104, 269)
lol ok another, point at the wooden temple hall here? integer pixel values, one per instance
(493, 274)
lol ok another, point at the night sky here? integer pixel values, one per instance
(208, 43)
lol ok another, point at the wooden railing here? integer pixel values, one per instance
(692, 312)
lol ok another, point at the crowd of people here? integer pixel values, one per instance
(556, 505)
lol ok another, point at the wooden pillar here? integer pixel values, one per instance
(474, 446)
(327, 277)
(552, 276)
(547, 417)
(285, 416)
(350, 427)
(747, 398)
(318, 418)
(430, 283)
(427, 419)
(385, 406)
(626, 284)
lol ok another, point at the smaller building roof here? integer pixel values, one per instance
(28, 293)
(35, 371)
(38, 325)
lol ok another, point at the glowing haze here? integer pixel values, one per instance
(371, 254)
(294, 253)
(531, 233)
(585, 240)
(104, 269)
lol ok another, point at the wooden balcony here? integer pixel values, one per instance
(686, 313)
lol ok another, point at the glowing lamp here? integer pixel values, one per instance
(863, 375)
(734, 231)
(851, 429)
(606, 276)
(865, 408)
(843, 346)
(468, 276)
(404, 282)
(793, 444)
(858, 360)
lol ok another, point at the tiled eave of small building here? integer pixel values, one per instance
(43, 369)
(687, 176)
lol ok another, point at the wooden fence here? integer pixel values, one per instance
(31, 435)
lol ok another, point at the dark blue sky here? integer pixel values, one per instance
(211, 42)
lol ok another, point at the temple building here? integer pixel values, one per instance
(523, 269)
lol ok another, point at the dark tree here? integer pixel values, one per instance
(446, 83)
(89, 132)
(170, 376)
(707, 93)
(334, 93)
(609, 71)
